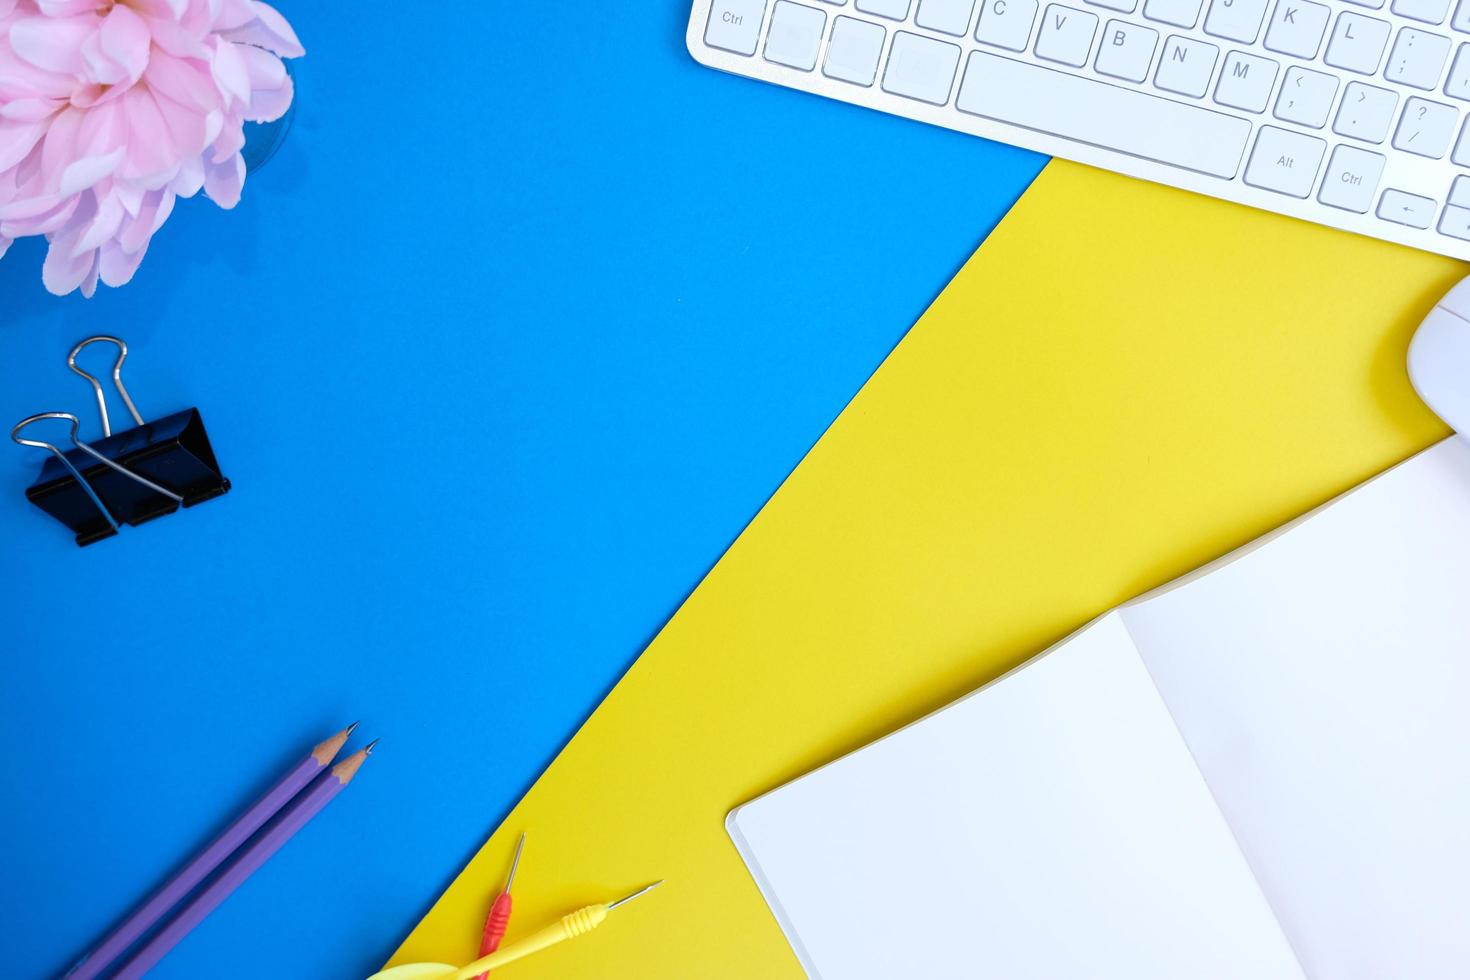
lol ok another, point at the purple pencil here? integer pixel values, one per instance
(250, 858)
(145, 916)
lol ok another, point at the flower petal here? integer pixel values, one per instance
(53, 43)
(117, 265)
(49, 215)
(125, 39)
(82, 174)
(268, 105)
(233, 14)
(190, 178)
(89, 283)
(63, 272)
(152, 213)
(103, 226)
(150, 161)
(171, 37)
(66, 8)
(269, 30)
(231, 140)
(230, 72)
(29, 110)
(186, 127)
(59, 148)
(224, 181)
(183, 81)
(104, 128)
(17, 137)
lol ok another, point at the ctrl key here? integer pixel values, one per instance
(735, 25)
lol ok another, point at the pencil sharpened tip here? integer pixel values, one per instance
(368, 748)
(351, 728)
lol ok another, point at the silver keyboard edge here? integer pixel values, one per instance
(949, 117)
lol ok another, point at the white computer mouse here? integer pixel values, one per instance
(1439, 358)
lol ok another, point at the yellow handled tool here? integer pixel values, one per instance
(578, 923)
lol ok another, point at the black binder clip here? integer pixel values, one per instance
(134, 476)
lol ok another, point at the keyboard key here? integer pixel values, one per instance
(1357, 43)
(892, 9)
(1460, 192)
(1186, 66)
(1006, 23)
(1126, 50)
(1122, 6)
(854, 50)
(1461, 153)
(1245, 82)
(1306, 97)
(1066, 35)
(795, 35)
(1457, 86)
(1365, 112)
(1296, 28)
(1180, 13)
(945, 16)
(735, 25)
(1461, 20)
(1417, 58)
(1238, 20)
(1428, 11)
(1104, 115)
(1284, 162)
(1425, 127)
(1351, 179)
(920, 68)
(1455, 222)
(1403, 208)
(1371, 4)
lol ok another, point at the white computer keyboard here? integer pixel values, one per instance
(1348, 114)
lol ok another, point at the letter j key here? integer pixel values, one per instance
(1235, 20)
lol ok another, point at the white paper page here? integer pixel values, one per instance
(1050, 825)
(1322, 681)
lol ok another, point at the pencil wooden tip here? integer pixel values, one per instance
(347, 768)
(326, 751)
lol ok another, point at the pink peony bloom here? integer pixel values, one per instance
(111, 109)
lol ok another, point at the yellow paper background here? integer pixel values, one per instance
(1123, 383)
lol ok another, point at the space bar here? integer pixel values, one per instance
(1102, 115)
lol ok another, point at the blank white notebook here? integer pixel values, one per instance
(1259, 771)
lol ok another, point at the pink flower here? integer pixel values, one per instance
(112, 109)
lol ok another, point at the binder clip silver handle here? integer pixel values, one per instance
(84, 447)
(122, 355)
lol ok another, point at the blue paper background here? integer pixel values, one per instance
(524, 322)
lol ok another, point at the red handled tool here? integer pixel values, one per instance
(499, 917)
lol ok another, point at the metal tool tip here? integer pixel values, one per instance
(515, 862)
(628, 898)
